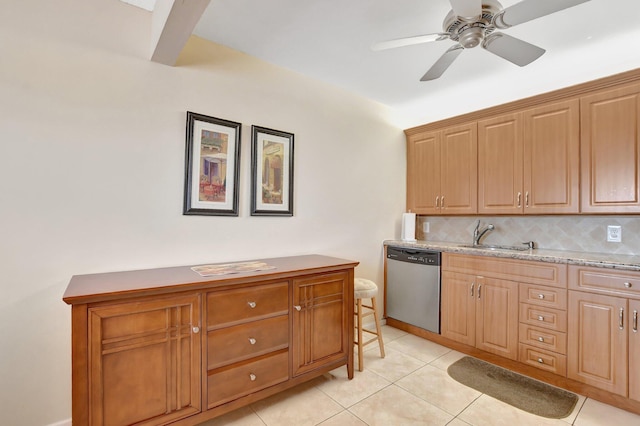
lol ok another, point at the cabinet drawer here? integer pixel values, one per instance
(550, 297)
(244, 341)
(246, 304)
(228, 384)
(539, 316)
(603, 280)
(551, 340)
(544, 360)
(534, 272)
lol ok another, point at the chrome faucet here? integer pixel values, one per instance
(478, 234)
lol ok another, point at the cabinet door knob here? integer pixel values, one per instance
(627, 285)
(297, 307)
(252, 340)
(540, 318)
(541, 339)
(541, 296)
(195, 330)
(252, 377)
(540, 360)
(251, 304)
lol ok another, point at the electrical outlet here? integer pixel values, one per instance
(614, 233)
(425, 227)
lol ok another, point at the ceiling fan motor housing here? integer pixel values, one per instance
(470, 32)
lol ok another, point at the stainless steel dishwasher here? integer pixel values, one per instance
(413, 287)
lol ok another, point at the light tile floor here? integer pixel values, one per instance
(410, 386)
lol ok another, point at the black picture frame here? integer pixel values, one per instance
(212, 166)
(271, 172)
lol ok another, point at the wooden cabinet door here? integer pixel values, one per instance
(458, 320)
(145, 361)
(551, 158)
(322, 320)
(597, 341)
(497, 317)
(500, 156)
(634, 350)
(423, 173)
(610, 145)
(459, 171)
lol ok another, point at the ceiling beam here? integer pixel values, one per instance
(173, 22)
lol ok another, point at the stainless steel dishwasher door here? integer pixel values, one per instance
(413, 287)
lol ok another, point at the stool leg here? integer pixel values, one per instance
(378, 330)
(360, 345)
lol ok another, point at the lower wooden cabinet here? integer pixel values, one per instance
(481, 312)
(598, 341)
(634, 351)
(167, 346)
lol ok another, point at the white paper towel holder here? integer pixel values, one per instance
(409, 227)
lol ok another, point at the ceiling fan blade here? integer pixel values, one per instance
(443, 63)
(528, 10)
(512, 49)
(408, 41)
(466, 8)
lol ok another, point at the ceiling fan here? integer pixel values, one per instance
(473, 22)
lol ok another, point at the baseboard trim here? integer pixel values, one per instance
(66, 422)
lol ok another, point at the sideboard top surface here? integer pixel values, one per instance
(99, 287)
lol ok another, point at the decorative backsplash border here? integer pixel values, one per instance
(574, 233)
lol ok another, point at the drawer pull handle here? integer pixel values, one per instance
(635, 321)
(519, 199)
(541, 296)
(541, 339)
(297, 307)
(251, 304)
(437, 202)
(252, 340)
(472, 285)
(621, 319)
(195, 330)
(540, 318)
(252, 377)
(479, 288)
(540, 360)
(627, 285)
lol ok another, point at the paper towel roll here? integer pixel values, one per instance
(409, 227)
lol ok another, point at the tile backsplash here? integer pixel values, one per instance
(574, 233)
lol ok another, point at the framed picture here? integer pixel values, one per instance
(271, 172)
(212, 166)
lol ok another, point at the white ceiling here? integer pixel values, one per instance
(330, 40)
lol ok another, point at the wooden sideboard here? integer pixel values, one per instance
(168, 346)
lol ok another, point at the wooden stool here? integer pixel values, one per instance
(366, 289)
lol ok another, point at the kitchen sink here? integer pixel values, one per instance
(495, 247)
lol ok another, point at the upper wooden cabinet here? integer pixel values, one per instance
(609, 152)
(528, 162)
(442, 171)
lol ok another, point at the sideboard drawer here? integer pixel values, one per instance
(551, 297)
(246, 304)
(244, 341)
(555, 341)
(544, 360)
(539, 316)
(228, 384)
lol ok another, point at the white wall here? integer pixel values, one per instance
(92, 140)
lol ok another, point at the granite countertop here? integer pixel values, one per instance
(602, 260)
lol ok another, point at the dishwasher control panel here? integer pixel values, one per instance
(425, 257)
